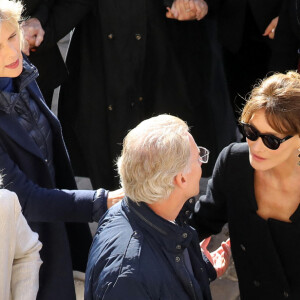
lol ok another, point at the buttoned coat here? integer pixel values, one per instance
(128, 62)
(265, 252)
(19, 255)
(49, 207)
(285, 51)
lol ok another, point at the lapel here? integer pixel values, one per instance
(11, 127)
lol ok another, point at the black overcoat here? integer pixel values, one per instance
(285, 53)
(127, 62)
(58, 18)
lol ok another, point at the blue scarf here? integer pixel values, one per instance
(6, 84)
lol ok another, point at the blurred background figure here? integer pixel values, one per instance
(43, 27)
(245, 29)
(285, 55)
(19, 251)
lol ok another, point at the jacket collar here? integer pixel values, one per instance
(7, 99)
(8, 123)
(173, 237)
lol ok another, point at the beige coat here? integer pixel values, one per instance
(19, 252)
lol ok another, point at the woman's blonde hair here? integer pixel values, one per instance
(153, 153)
(279, 96)
(11, 11)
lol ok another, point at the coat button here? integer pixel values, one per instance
(138, 36)
(178, 247)
(197, 206)
(286, 294)
(110, 107)
(110, 36)
(184, 235)
(141, 99)
(256, 283)
(191, 200)
(201, 269)
(136, 234)
(187, 212)
(243, 247)
(177, 259)
(46, 160)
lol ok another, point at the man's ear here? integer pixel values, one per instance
(180, 180)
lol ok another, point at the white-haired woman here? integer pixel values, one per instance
(37, 167)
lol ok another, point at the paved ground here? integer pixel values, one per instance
(225, 288)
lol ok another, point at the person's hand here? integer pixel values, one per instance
(114, 197)
(270, 30)
(186, 10)
(33, 34)
(220, 258)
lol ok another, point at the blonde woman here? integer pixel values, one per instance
(37, 167)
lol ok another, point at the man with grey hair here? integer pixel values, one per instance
(142, 249)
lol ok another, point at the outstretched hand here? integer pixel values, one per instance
(186, 10)
(220, 258)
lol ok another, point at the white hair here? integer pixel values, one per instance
(153, 153)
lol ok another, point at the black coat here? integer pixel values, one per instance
(265, 252)
(232, 17)
(45, 206)
(58, 18)
(287, 38)
(127, 62)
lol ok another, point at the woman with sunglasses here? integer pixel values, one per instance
(255, 188)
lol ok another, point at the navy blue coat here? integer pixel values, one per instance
(45, 206)
(138, 255)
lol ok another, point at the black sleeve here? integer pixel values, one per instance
(212, 214)
(286, 43)
(43, 10)
(63, 17)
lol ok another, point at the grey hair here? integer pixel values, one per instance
(153, 153)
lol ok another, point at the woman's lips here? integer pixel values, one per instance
(13, 65)
(256, 157)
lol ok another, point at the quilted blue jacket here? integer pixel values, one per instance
(138, 255)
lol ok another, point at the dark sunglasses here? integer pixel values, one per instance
(270, 141)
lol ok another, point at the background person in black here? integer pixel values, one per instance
(128, 62)
(285, 50)
(245, 30)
